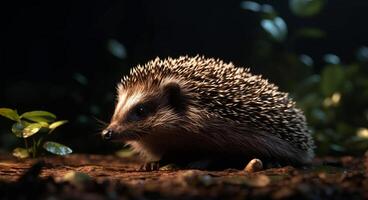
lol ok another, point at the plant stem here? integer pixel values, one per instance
(34, 148)
(26, 144)
(39, 142)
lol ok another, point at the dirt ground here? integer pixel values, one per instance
(109, 177)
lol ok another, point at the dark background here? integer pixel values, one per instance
(55, 55)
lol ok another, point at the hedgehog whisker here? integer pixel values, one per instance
(101, 122)
(95, 134)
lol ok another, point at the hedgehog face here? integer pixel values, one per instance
(143, 110)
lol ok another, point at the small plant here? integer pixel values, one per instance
(27, 125)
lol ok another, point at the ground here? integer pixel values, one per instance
(109, 177)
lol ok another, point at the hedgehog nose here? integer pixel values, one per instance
(107, 134)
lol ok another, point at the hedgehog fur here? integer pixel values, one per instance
(206, 109)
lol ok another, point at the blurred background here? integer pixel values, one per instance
(67, 56)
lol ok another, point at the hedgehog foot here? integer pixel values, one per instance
(150, 166)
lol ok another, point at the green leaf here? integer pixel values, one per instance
(9, 113)
(125, 153)
(275, 27)
(39, 116)
(20, 153)
(44, 124)
(31, 129)
(56, 148)
(54, 125)
(17, 129)
(332, 79)
(306, 8)
(57, 124)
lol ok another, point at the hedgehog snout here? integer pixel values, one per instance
(107, 134)
(119, 133)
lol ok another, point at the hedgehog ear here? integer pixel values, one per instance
(174, 96)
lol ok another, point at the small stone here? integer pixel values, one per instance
(76, 178)
(254, 165)
(195, 178)
(169, 167)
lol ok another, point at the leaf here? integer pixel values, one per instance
(20, 153)
(268, 9)
(117, 49)
(31, 129)
(39, 116)
(362, 54)
(306, 8)
(44, 124)
(56, 148)
(306, 60)
(57, 124)
(332, 79)
(9, 113)
(250, 5)
(275, 27)
(331, 59)
(125, 153)
(54, 125)
(17, 129)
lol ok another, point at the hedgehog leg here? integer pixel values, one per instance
(150, 166)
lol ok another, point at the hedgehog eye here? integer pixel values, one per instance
(139, 112)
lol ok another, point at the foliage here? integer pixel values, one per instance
(306, 8)
(334, 95)
(27, 125)
(335, 107)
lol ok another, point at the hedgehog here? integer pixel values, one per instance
(202, 112)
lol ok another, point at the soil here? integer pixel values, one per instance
(82, 176)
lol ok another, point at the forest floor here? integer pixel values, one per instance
(82, 176)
